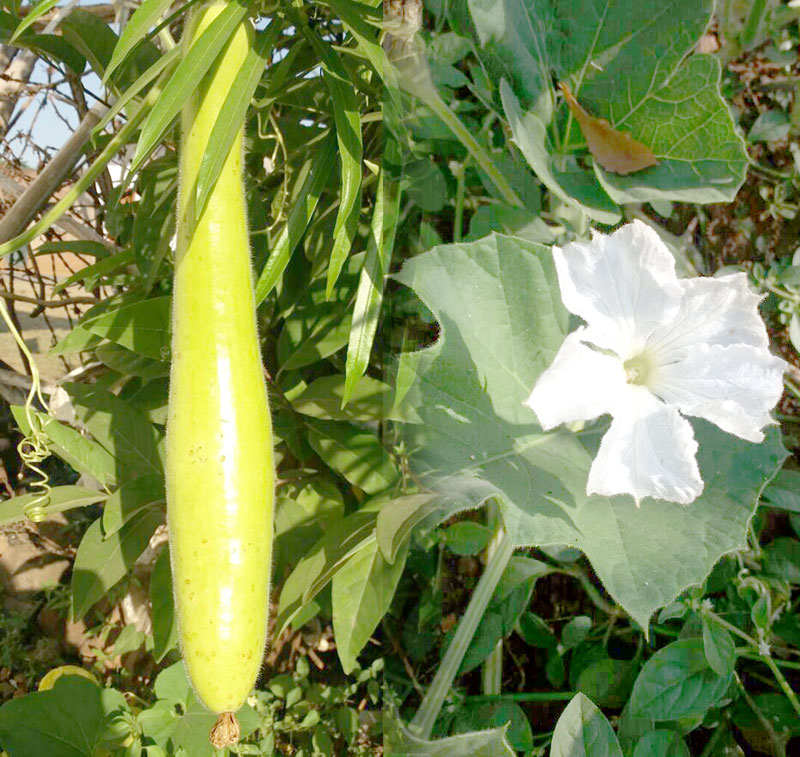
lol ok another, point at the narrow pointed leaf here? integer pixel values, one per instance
(348, 134)
(182, 84)
(299, 217)
(33, 16)
(232, 112)
(146, 16)
(366, 312)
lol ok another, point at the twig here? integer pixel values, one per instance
(49, 303)
(50, 179)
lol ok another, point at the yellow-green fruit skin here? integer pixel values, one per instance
(219, 469)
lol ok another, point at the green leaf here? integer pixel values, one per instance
(677, 682)
(466, 537)
(101, 563)
(128, 363)
(783, 491)
(498, 305)
(61, 498)
(35, 13)
(129, 499)
(362, 591)
(645, 83)
(54, 47)
(77, 340)
(347, 118)
(84, 455)
(356, 455)
(782, 559)
(775, 707)
(719, 648)
(315, 569)
(91, 274)
(232, 111)
(304, 511)
(165, 624)
(154, 221)
(303, 206)
(770, 126)
(583, 731)
(661, 744)
(400, 740)
(142, 327)
(536, 632)
(702, 156)
(355, 18)
(576, 631)
(165, 61)
(146, 15)
(179, 723)
(91, 35)
(313, 333)
(366, 311)
(371, 400)
(65, 721)
(185, 79)
(134, 442)
(508, 602)
(530, 133)
(398, 518)
(481, 715)
(608, 682)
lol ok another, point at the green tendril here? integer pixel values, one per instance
(33, 449)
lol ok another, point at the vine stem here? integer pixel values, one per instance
(765, 658)
(492, 671)
(479, 155)
(782, 682)
(422, 724)
(778, 745)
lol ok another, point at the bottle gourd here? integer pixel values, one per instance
(219, 475)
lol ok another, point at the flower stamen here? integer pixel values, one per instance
(638, 369)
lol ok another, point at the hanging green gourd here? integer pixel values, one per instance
(220, 475)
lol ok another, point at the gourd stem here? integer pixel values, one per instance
(422, 724)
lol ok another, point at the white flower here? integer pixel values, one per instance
(655, 346)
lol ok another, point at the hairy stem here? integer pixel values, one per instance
(423, 721)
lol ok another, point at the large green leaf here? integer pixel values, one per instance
(135, 443)
(626, 62)
(100, 563)
(362, 592)
(141, 327)
(497, 302)
(401, 742)
(165, 622)
(68, 720)
(677, 682)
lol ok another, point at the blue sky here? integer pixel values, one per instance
(50, 131)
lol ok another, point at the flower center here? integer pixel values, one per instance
(638, 369)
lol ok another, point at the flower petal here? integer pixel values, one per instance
(581, 384)
(649, 451)
(734, 387)
(623, 285)
(721, 310)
